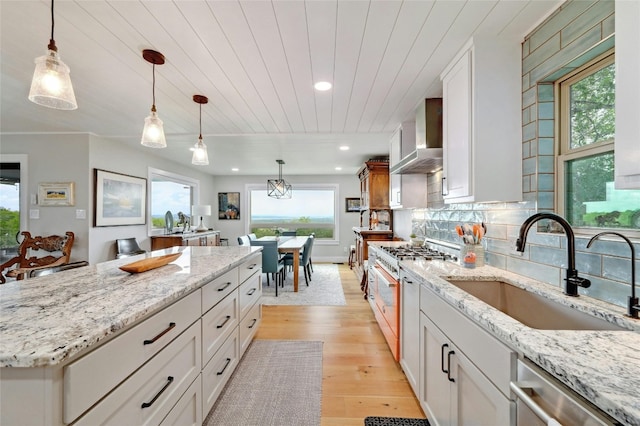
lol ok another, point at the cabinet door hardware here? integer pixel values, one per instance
(227, 284)
(446, 345)
(168, 329)
(253, 322)
(164, 388)
(228, 361)
(227, 318)
(451, 379)
(250, 292)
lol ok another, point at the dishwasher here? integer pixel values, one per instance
(541, 400)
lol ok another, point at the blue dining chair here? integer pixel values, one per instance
(271, 263)
(289, 233)
(305, 259)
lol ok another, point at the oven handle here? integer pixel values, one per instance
(383, 278)
(529, 402)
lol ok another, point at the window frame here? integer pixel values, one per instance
(564, 153)
(302, 186)
(173, 177)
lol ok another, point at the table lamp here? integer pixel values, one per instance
(201, 210)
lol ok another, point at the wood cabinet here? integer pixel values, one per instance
(482, 123)
(464, 372)
(363, 237)
(159, 242)
(374, 185)
(627, 158)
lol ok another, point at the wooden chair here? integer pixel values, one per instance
(28, 260)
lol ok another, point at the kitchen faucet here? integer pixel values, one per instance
(632, 305)
(572, 280)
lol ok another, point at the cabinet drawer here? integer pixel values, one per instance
(188, 410)
(217, 289)
(147, 397)
(249, 326)
(490, 355)
(250, 293)
(94, 375)
(216, 374)
(217, 324)
(250, 267)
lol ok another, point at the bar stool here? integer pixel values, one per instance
(352, 255)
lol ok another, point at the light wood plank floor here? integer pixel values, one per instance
(360, 376)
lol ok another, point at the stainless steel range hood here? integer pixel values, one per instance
(426, 155)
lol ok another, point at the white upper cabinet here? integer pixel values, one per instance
(482, 142)
(627, 145)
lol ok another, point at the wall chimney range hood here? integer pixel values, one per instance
(425, 155)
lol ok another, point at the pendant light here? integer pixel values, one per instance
(200, 155)
(153, 132)
(51, 84)
(278, 188)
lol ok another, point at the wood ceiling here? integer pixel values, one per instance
(256, 61)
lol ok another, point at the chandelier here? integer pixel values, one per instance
(278, 188)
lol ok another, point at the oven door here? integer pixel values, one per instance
(386, 296)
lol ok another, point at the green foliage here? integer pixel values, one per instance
(158, 222)
(9, 227)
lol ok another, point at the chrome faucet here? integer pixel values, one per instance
(572, 280)
(633, 308)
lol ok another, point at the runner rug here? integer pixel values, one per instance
(276, 383)
(325, 288)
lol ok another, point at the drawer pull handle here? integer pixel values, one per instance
(228, 317)
(446, 345)
(252, 266)
(255, 320)
(219, 373)
(150, 403)
(250, 292)
(168, 329)
(227, 284)
(451, 379)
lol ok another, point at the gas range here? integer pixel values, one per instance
(389, 257)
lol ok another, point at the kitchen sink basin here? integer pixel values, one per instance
(531, 309)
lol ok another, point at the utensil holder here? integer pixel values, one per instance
(478, 249)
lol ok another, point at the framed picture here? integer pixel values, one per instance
(352, 205)
(229, 205)
(119, 199)
(56, 194)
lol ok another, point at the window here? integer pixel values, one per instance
(13, 203)
(173, 193)
(586, 160)
(312, 208)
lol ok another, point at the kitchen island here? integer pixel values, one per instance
(601, 366)
(84, 342)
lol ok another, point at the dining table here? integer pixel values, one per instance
(291, 245)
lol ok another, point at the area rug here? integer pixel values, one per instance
(277, 383)
(325, 288)
(394, 421)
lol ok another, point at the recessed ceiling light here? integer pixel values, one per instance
(338, 168)
(235, 169)
(322, 86)
(344, 148)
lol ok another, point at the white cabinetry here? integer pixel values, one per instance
(482, 123)
(405, 190)
(410, 328)
(627, 145)
(464, 371)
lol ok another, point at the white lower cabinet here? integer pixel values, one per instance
(410, 328)
(188, 410)
(216, 373)
(464, 372)
(147, 397)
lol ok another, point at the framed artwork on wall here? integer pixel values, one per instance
(352, 205)
(56, 194)
(119, 199)
(229, 205)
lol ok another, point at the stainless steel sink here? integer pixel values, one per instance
(531, 309)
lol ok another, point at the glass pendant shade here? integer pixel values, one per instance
(153, 132)
(51, 84)
(200, 154)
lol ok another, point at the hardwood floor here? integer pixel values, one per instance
(360, 376)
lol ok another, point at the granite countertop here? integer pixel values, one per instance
(45, 321)
(602, 366)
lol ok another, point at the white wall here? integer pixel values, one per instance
(348, 186)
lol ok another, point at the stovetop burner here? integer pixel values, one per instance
(412, 252)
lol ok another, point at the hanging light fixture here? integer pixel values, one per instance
(153, 132)
(278, 188)
(51, 84)
(200, 155)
